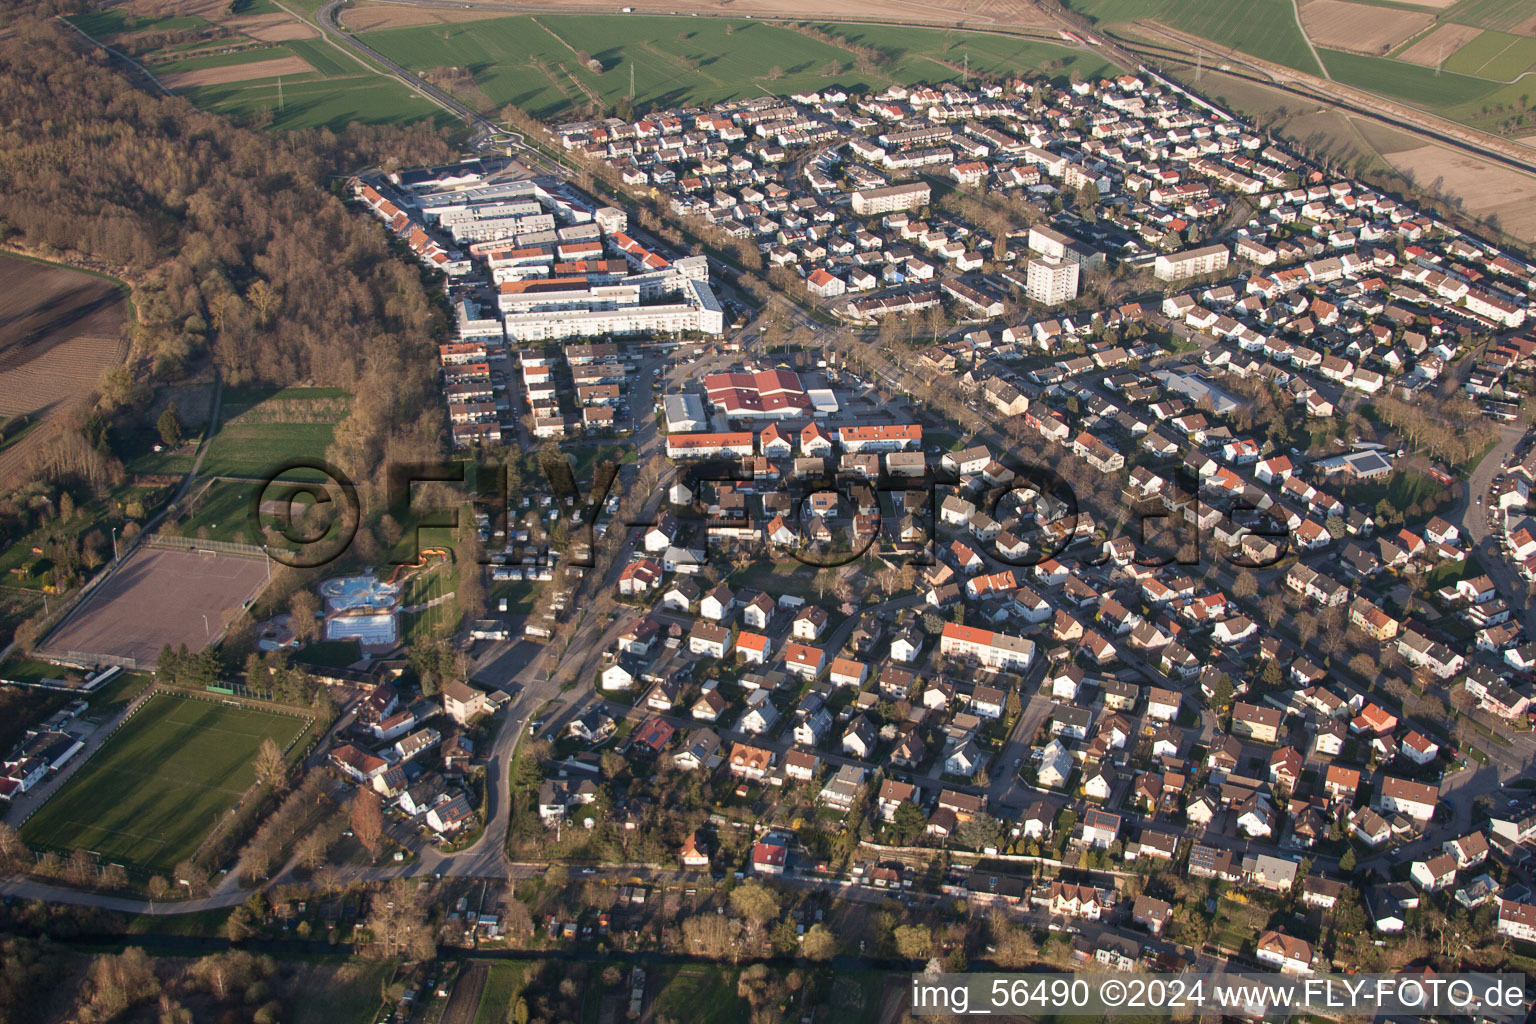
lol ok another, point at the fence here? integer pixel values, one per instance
(193, 544)
(86, 659)
(57, 781)
(68, 606)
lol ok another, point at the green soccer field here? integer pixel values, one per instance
(152, 792)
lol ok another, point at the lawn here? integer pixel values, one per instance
(518, 593)
(1264, 28)
(435, 621)
(223, 510)
(30, 670)
(1403, 490)
(699, 994)
(118, 694)
(200, 924)
(330, 653)
(261, 431)
(154, 789)
(1447, 573)
(502, 986)
(259, 450)
(777, 577)
(346, 993)
(533, 63)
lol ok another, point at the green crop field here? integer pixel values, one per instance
(1494, 55)
(311, 101)
(152, 792)
(261, 431)
(258, 449)
(1264, 28)
(503, 985)
(533, 61)
(336, 93)
(1495, 14)
(115, 20)
(1410, 83)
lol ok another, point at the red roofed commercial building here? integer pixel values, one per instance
(702, 446)
(896, 437)
(766, 395)
(995, 650)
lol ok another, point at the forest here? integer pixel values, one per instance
(240, 251)
(237, 244)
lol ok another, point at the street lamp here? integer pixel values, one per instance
(206, 631)
(114, 546)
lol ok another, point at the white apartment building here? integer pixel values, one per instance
(1050, 280)
(1190, 263)
(873, 201)
(995, 650)
(1047, 241)
(700, 311)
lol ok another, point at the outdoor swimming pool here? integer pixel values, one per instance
(345, 593)
(371, 630)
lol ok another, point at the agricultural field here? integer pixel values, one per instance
(260, 63)
(262, 430)
(1495, 195)
(1503, 198)
(59, 330)
(1461, 60)
(1497, 56)
(1264, 28)
(1517, 16)
(1415, 85)
(538, 62)
(1361, 28)
(1012, 14)
(1431, 49)
(503, 984)
(155, 788)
